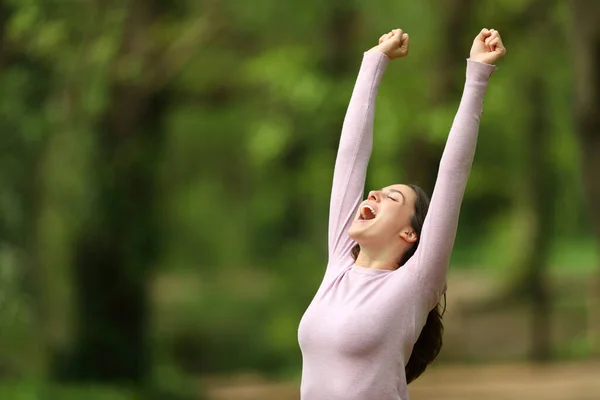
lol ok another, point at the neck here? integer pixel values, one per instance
(380, 258)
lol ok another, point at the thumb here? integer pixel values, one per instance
(404, 42)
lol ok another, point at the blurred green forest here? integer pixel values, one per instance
(165, 169)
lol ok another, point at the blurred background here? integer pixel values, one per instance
(165, 169)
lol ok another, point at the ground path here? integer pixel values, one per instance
(568, 381)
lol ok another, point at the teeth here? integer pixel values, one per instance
(362, 212)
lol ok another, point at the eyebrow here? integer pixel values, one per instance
(397, 191)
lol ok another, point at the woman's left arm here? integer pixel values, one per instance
(432, 257)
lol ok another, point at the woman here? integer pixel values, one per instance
(373, 325)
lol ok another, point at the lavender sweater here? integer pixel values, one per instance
(359, 330)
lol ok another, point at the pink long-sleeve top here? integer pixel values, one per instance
(359, 330)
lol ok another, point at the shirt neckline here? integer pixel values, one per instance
(370, 271)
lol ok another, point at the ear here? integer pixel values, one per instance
(408, 235)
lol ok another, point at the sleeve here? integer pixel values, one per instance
(431, 259)
(353, 156)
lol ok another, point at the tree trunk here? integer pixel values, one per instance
(539, 187)
(118, 246)
(541, 180)
(586, 49)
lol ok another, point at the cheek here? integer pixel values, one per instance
(397, 220)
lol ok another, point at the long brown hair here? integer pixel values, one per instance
(428, 345)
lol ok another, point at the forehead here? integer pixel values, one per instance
(405, 189)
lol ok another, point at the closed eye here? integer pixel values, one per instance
(396, 192)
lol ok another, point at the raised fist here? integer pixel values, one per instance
(393, 44)
(487, 47)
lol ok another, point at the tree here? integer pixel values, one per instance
(540, 183)
(118, 243)
(586, 51)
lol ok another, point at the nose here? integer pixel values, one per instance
(374, 195)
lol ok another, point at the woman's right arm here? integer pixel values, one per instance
(353, 156)
(356, 143)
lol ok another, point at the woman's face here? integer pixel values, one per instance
(384, 217)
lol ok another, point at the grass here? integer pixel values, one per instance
(28, 390)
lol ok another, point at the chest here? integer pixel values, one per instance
(357, 315)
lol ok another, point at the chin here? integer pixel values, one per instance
(354, 235)
(360, 236)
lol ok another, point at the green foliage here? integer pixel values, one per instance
(92, 392)
(19, 390)
(42, 391)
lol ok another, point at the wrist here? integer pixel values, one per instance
(482, 60)
(378, 49)
(479, 71)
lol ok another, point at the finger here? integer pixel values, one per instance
(497, 42)
(498, 46)
(488, 42)
(494, 33)
(483, 34)
(382, 38)
(398, 33)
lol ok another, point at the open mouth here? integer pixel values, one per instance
(367, 213)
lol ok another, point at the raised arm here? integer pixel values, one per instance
(439, 230)
(356, 143)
